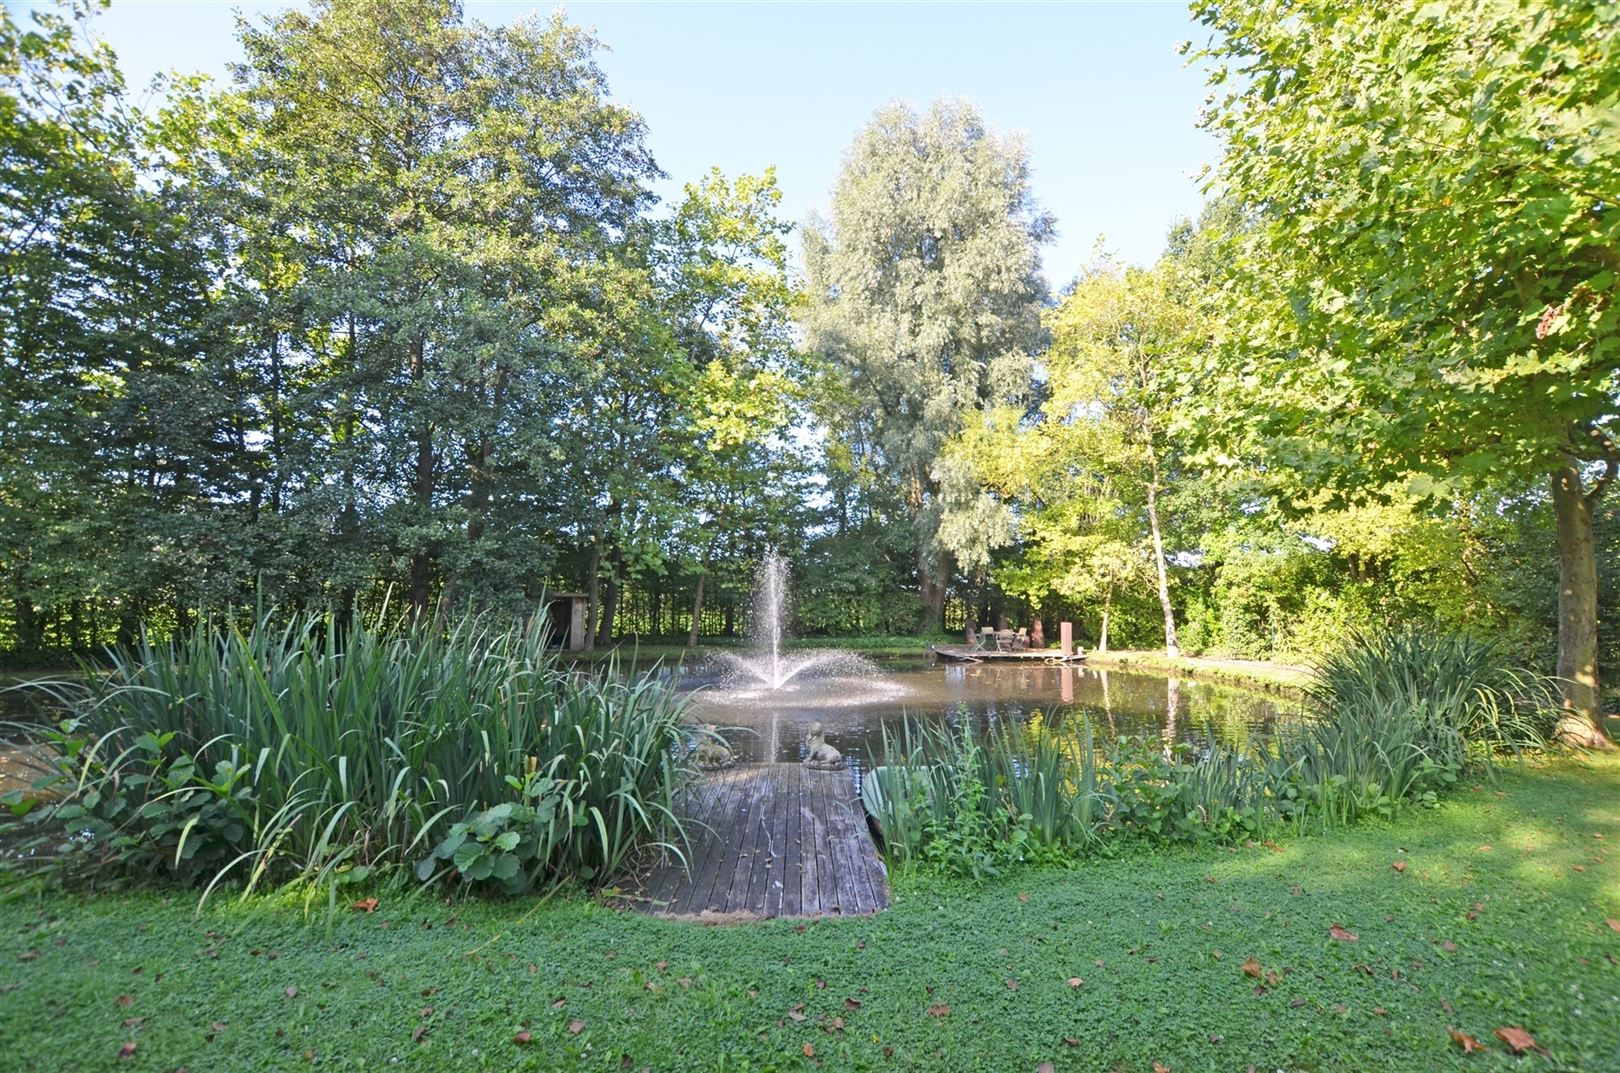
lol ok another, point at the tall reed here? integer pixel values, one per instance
(308, 749)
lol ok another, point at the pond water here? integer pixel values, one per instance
(764, 724)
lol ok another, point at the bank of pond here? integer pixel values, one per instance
(466, 755)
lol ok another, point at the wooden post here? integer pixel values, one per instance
(1066, 638)
(576, 624)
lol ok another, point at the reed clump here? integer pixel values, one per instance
(302, 749)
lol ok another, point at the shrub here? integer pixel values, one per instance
(1395, 719)
(306, 750)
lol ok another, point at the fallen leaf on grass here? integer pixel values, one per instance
(797, 1013)
(1046, 1067)
(1012, 985)
(1023, 896)
(1070, 1041)
(1517, 1039)
(124, 1001)
(523, 1038)
(809, 1050)
(575, 1027)
(419, 1033)
(1614, 925)
(1468, 1043)
(292, 991)
(1075, 981)
(365, 905)
(1448, 946)
(1399, 866)
(126, 1051)
(1160, 1067)
(1251, 967)
(939, 1009)
(1342, 935)
(28, 955)
(852, 1004)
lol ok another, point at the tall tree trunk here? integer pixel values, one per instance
(931, 586)
(1108, 607)
(1582, 720)
(610, 599)
(421, 561)
(697, 611)
(593, 592)
(349, 520)
(278, 446)
(1171, 649)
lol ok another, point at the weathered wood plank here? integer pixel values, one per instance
(826, 859)
(716, 823)
(770, 840)
(793, 856)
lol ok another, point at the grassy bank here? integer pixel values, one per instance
(1497, 919)
(1247, 673)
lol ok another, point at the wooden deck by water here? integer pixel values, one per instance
(972, 654)
(769, 840)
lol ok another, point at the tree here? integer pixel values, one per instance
(1429, 290)
(924, 292)
(463, 205)
(727, 294)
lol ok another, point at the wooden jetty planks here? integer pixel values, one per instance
(771, 840)
(971, 654)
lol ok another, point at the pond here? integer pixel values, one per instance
(854, 709)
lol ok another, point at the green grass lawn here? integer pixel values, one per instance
(1499, 919)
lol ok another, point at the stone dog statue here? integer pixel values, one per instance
(818, 755)
(711, 753)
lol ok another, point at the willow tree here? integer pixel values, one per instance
(923, 290)
(1431, 286)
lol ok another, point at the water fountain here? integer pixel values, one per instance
(755, 689)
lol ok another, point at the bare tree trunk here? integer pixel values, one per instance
(593, 588)
(421, 561)
(1108, 607)
(1582, 720)
(610, 599)
(931, 587)
(1171, 649)
(697, 611)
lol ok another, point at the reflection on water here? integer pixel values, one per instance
(764, 726)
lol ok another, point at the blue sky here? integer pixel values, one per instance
(1097, 88)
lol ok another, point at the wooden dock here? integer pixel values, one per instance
(973, 654)
(768, 840)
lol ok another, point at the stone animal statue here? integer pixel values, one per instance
(711, 753)
(818, 754)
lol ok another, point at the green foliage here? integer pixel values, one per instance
(1427, 289)
(968, 803)
(303, 750)
(1397, 718)
(1461, 687)
(922, 298)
